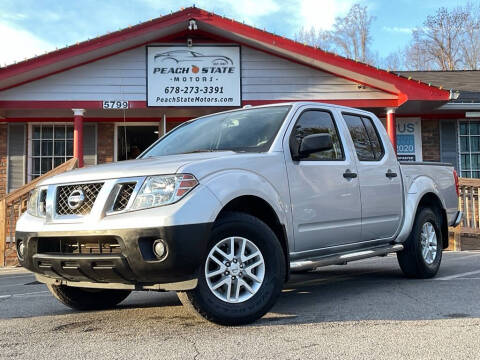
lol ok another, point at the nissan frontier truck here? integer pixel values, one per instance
(224, 207)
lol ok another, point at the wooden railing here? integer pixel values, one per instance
(470, 205)
(13, 205)
(465, 236)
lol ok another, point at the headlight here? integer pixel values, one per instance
(36, 202)
(163, 190)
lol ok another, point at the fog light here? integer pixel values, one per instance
(20, 249)
(159, 248)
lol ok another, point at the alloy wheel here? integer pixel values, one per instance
(428, 240)
(234, 269)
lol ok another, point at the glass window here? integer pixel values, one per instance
(469, 143)
(247, 130)
(464, 144)
(374, 138)
(365, 137)
(474, 128)
(317, 122)
(52, 145)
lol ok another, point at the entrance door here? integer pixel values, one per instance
(325, 195)
(132, 140)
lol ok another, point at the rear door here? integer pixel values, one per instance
(324, 189)
(379, 177)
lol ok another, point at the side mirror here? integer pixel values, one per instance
(315, 143)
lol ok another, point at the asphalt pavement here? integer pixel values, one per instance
(364, 310)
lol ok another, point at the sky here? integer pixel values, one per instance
(33, 27)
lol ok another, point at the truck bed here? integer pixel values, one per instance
(440, 174)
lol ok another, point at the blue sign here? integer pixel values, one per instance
(405, 144)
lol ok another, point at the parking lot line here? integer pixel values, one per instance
(11, 285)
(24, 294)
(32, 293)
(467, 256)
(454, 276)
(3, 276)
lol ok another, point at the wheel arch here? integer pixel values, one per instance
(422, 192)
(432, 201)
(261, 209)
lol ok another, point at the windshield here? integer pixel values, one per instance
(249, 130)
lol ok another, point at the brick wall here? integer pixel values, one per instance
(3, 159)
(105, 145)
(430, 140)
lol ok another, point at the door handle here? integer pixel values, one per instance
(349, 175)
(390, 174)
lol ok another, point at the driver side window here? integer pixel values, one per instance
(317, 122)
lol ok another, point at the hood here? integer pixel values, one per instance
(132, 168)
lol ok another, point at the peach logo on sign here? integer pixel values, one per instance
(195, 69)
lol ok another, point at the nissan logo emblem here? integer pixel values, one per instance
(76, 199)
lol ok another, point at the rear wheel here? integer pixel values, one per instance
(87, 299)
(242, 273)
(422, 255)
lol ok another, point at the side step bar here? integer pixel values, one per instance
(344, 258)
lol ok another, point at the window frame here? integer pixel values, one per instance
(30, 156)
(334, 120)
(470, 152)
(361, 116)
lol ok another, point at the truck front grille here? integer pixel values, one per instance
(79, 245)
(89, 192)
(123, 197)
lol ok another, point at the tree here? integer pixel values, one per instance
(314, 38)
(470, 46)
(440, 38)
(394, 61)
(350, 35)
(415, 58)
(447, 40)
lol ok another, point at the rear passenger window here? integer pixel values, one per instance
(317, 122)
(365, 137)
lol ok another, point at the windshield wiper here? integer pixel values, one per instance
(204, 150)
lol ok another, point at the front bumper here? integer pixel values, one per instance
(134, 264)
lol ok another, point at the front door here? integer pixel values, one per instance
(132, 140)
(325, 196)
(379, 176)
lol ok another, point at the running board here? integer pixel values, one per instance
(344, 258)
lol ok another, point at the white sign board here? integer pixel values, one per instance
(409, 139)
(193, 76)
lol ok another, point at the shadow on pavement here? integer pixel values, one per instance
(342, 293)
(372, 290)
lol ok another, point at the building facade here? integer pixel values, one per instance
(107, 99)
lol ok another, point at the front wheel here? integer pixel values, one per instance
(422, 255)
(242, 274)
(87, 299)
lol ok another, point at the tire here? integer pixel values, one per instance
(244, 307)
(87, 299)
(412, 260)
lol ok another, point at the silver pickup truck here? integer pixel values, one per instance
(224, 207)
